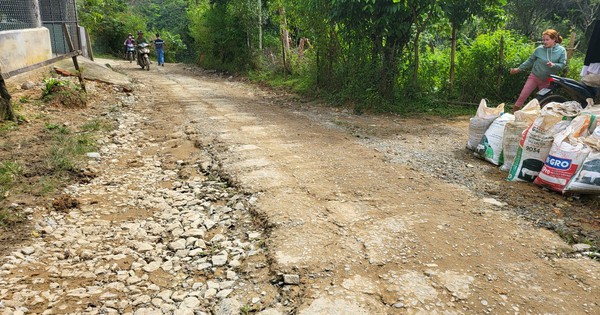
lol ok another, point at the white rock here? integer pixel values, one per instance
(219, 260)
(224, 293)
(151, 267)
(190, 302)
(291, 279)
(177, 245)
(228, 307)
(581, 247)
(210, 293)
(494, 202)
(28, 250)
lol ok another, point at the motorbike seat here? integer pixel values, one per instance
(591, 91)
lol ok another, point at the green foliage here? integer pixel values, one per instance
(63, 92)
(360, 52)
(8, 125)
(108, 22)
(68, 149)
(221, 38)
(173, 45)
(62, 129)
(51, 84)
(483, 73)
(98, 125)
(574, 66)
(9, 171)
(9, 217)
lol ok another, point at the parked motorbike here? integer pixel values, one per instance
(130, 55)
(143, 59)
(564, 89)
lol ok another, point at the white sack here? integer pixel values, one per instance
(490, 147)
(480, 123)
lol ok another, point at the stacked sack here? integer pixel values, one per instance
(557, 147)
(478, 125)
(513, 132)
(536, 141)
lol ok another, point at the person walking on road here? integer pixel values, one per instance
(160, 51)
(548, 58)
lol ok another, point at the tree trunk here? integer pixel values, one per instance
(420, 29)
(260, 25)
(452, 56)
(6, 110)
(285, 44)
(388, 69)
(415, 75)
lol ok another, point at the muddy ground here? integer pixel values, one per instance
(377, 214)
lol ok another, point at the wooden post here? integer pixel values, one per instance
(571, 46)
(500, 63)
(285, 46)
(88, 43)
(75, 63)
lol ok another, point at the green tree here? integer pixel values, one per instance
(381, 29)
(108, 22)
(529, 16)
(221, 39)
(461, 12)
(168, 16)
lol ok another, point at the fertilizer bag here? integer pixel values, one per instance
(513, 131)
(479, 124)
(490, 147)
(566, 156)
(587, 178)
(537, 142)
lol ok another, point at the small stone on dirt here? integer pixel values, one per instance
(581, 247)
(494, 202)
(93, 155)
(291, 279)
(27, 85)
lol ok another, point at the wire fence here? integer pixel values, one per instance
(52, 14)
(19, 14)
(55, 14)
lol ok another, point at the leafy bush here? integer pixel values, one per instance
(108, 23)
(482, 73)
(221, 39)
(173, 44)
(57, 91)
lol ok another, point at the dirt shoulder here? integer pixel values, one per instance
(375, 214)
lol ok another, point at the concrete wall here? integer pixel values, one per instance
(22, 48)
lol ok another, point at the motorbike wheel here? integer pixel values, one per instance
(552, 98)
(147, 63)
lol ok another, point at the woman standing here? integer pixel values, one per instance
(549, 58)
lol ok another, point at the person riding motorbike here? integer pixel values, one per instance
(129, 42)
(140, 38)
(142, 51)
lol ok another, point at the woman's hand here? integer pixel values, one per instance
(514, 70)
(550, 64)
